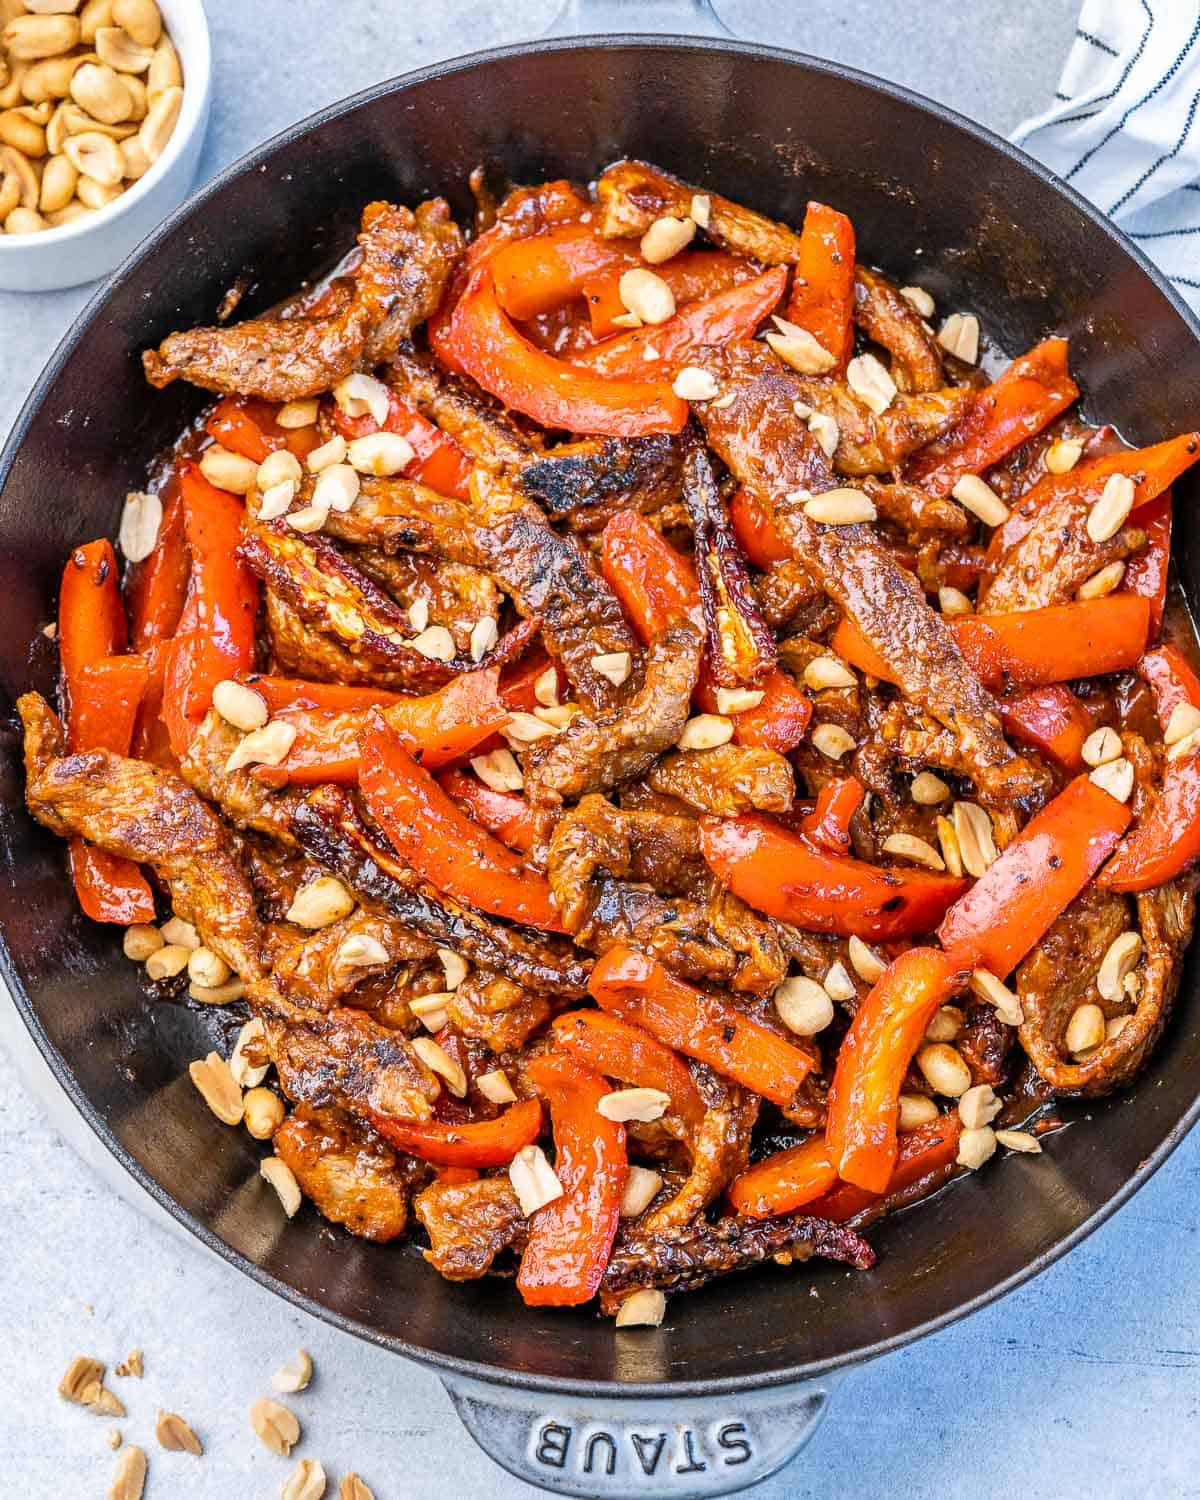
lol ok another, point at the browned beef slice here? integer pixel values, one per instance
(347, 1171)
(407, 261)
(469, 1225)
(1056, 555)
(728, 780)
(891, 320)
(585, 483)
(460, 409)
(719, 1150)
(870, 444)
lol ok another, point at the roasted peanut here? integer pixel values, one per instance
(59, 177)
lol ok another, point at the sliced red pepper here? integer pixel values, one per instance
(541, 272)
(571, 1237)
(822, 299)
(757, 534)
(829, 822)
(1167, 836)
(1152, 470)
(105, 703)
(282, 693)
(782, 874)
(481, 1143)
(692, 276)
(91, 628)
(518, 680)
(779, 722)
(618, 1050)
(921, 1152)
(733, 314)
(1034, 390)
(707, 1027)
(441, 727)
(1053, 721)
(441, 843)
(889, 1026)
(653, 581)
(784, 1181)
(505, 814)
(504, 362)
(1015, 901)
(247, 426)
(439, 462)
(1087, 638)
(216, 639)
(157, 587)
(1146, 573)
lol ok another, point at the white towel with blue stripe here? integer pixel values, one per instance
(1123, 129)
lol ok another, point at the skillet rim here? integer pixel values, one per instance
(490, 1374)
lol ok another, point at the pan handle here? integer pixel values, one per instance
(600, 17)
(635, 1448)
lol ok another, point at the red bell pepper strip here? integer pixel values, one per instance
(693, 276)
(91, 628)
(157, 587)
(784, 1181)
(1034, 390)
(505, 814)
(216, 637)
(541, 272)
(448, 848)
(707, 1027)
(1167, 835)
(481, 1143)
(1146, 573)
(571, 1238)
(732, 314)
(282, 693)
(1152, 470)
(1084, 639)
(441, 727)
(1053, 721)
(518, 680)
(922, 1152)
(829, 822)
(757, 534)
(654, 583)
(779, 722)
(889, 1026)
(822, 299)
(438, 463)
(618, 1050)
(489, 349)
(105, 702)
(248, 427)
(782, 874)
(1015, 901)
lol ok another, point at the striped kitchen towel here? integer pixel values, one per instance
(1123, 127)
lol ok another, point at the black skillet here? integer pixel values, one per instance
(734, 1383)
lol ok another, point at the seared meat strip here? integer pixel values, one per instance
(870, 444)
(312, 971)
(892, 321)
(728, 780)
(680, 1260)
(398, 515)
(457, 595)
(489, 435)
(632, 195)
(407, 261)
(596, 751)
(583, 484)
(352, 1177)
(469, 1225)
(779, 463)
(1054, 557)
(329, 827)
(720, 1149)
(245, 800)
(918, 513)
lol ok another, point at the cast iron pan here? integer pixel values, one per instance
(733, 1384)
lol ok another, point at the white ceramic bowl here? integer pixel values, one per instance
(89, 248)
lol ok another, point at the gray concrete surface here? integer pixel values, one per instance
(1082, 1383)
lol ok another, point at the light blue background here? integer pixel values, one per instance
(1081, 1383)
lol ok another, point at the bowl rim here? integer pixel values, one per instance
(196, 62)
(450, 1365)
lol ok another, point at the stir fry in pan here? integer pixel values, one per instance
(667, 759)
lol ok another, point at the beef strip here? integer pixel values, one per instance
(407, 260)
(778, 462)
(488, 435)
(681, 1260)
(1060, 975)
(245, 800)
(312, 972)
(631, 195)
(455, 594)
(583, 484)
(986, 1044)
(917, 513)
(139, 812)
(496, 1011)
(1054, 557)
(878, 444)
(469, 1224)
(892, 321)
(352, 1177)
(397, 515)
(728, 780)
(329, 826)
(597, 750)
(719, 1150)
